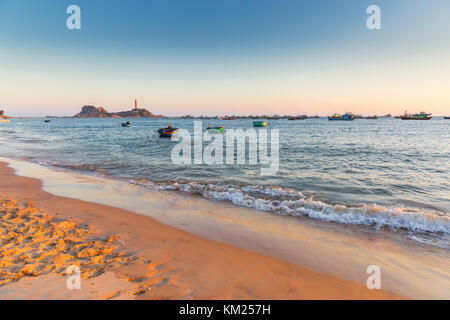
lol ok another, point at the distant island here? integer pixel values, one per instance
(99, 112)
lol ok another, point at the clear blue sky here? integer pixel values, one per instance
(222, 57)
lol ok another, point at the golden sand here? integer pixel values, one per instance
(123, 255)
(33, 243)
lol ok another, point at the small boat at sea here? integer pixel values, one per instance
(259, 123)
(372, 117)
(47, 121)
(416, 116)
(344, 117)
(126, 124)
(215, 130)
(447, 118)
(302, 117)
(167, 132)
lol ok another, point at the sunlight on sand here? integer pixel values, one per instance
(33, 243)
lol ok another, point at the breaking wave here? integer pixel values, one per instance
(422, 226)
(290, 202)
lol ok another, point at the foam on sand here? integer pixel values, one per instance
(291, 202)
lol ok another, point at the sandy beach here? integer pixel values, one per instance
(123, 255)
(225, 150)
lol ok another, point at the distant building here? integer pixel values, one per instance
(135, 104)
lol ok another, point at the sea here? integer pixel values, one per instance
(383, 174)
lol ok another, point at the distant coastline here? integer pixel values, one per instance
(94, 112)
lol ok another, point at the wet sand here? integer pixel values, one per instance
(135, 257)
(408, 268)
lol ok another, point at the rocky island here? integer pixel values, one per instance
(99, 112)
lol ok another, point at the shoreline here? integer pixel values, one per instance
(197, 268)
(409, 268)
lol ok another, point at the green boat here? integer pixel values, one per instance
(417, 116)
(215, 130)
(259, 124)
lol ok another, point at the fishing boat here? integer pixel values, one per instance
(126, 124)
(416, 116)
(372, 117)
(297, 118)
(259, 123)
(215, 130)
(47, 121)
(344, 117)
(167, 132)
(447, 118)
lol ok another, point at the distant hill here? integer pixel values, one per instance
(94, 112)
(136, 113)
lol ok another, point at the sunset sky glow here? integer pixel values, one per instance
(225, 57)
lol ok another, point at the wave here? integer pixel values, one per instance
(443, 242)
(83, 167)
(291, 202)
(427, 227)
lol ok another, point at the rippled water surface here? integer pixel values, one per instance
(383, 173)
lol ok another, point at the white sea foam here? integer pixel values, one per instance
(294, 203)
(291, 202)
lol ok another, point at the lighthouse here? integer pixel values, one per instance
(135, 104)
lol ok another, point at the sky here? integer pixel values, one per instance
(208, 57)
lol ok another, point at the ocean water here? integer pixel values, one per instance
(383, 173)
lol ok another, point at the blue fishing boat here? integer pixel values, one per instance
(344, 117)
(167, 132)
